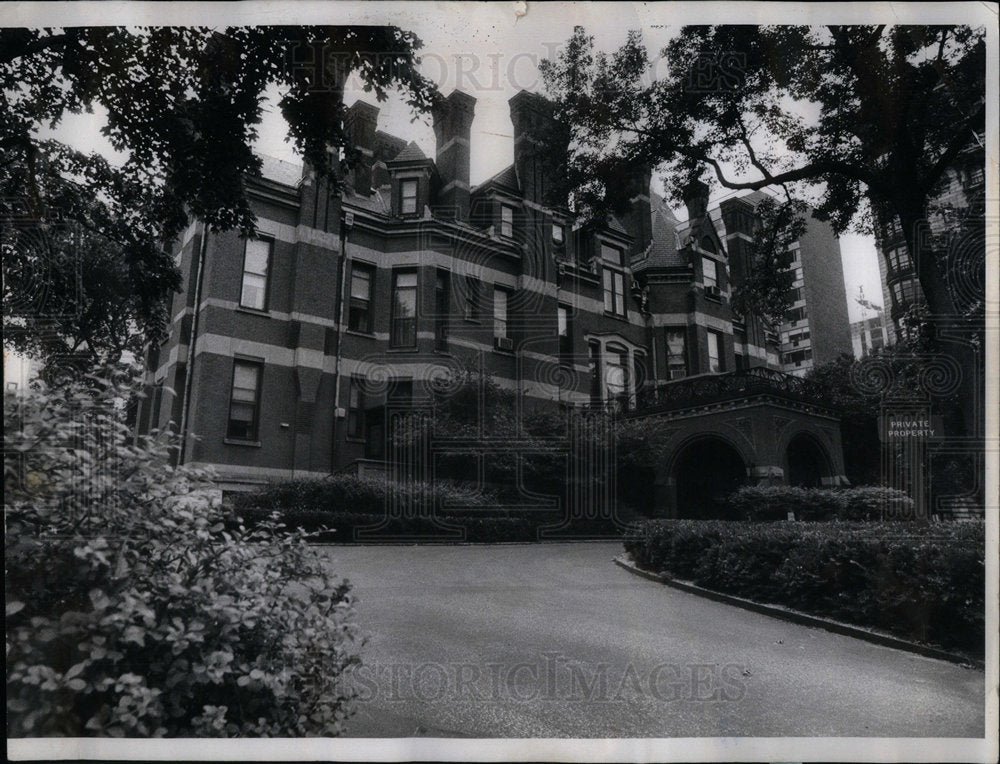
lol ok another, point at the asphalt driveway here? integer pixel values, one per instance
(554, 640)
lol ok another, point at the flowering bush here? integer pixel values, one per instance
(136, 607)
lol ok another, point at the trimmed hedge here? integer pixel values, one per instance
(770, 503)
(923, 582)
(349, 508)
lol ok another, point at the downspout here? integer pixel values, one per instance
(346, 221)
(189, 369)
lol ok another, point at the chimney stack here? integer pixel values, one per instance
(638, 219)
(529, 113)
(452, 132)
(696, 200)
(359, 126)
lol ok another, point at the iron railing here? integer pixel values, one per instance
(713, 388)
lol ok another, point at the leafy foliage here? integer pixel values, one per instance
(136, 606)
(769, 503)
(765, 288)
(924, 582)
(855, 119)
(350, 508)
(183, 105)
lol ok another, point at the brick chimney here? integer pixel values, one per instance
(452, 131)
(696, 201)
(528, 113)
(638, 219)
(359, 125)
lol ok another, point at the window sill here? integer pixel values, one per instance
(356, 333)
(237, 442)
(618, 316)
(253, 311)
(406, 349)
(355, 439)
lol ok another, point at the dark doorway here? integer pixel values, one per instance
(807, 464)
(707, 471)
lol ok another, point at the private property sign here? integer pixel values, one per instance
(909, 424)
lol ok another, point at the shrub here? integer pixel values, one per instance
(770, 503)
(136, 607)
(337, 507)
(921, 581)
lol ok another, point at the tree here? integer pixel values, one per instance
(849, 114)
(87, 270)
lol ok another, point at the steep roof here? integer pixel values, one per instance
(663, 249)
(280, 171)
(411, 153)
(507, 178)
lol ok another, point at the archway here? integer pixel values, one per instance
(706, 471)
(807, 462)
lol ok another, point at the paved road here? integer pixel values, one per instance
(555, 640)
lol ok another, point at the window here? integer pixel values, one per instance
(356, 408)
(442, 300)
(506, 221)
(616, 376)
(558, 235)
(564, 329)
(715, 364)
(473, 293)
(499, 313)
(244, 403)
(795, 314)
(359, 315)
(594, 367)
(899, 258)
(710, 273)
(797, 357)
(614, 281)
(404, 309)
(154, 422)
(676, 353)
(256, 263)
(408, 197)
(904, 292)
(611, 255)
(976, 176)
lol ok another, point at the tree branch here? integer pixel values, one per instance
(958, 143)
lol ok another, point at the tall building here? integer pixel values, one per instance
(869, 334)
(816, 329)
(959, 194)
(291, 352)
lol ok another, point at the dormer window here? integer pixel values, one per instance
(408, 197)
(506, 221)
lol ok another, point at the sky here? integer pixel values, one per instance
(491, 51)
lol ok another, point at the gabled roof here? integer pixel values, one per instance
(411, 153)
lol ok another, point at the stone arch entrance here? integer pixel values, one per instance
(705, 471)
(808, 462)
